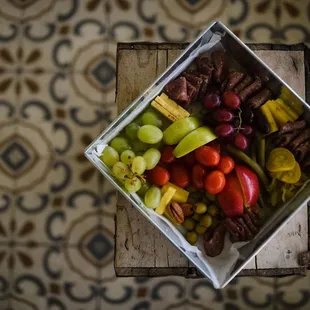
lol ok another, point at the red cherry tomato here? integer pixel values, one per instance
(226, 164)
(215, 182)
(167, 155)
(190, 159)
(207, 156)
(158, 176)
(198, 176)
(215, 145)
(179, 175)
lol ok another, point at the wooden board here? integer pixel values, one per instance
(141, 250)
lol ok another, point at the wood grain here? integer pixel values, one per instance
(141, 250)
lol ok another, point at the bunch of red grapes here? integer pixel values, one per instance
(228, 118)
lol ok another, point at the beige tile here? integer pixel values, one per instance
(58, 195)
(294, 21)
(63, 32)
(11, 12)
(253, 21)
(5, 253)
(45, 275)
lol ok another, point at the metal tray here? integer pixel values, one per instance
(246, 59)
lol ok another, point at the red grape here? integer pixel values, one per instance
(240, 141)
(224, 130)
(248, 130)
(231, 100)
(223, 115)
(211, 101)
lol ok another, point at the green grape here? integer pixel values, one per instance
(131, 131)
(152, 197)
(138, 165)
(109, 156)
(150, 134)
(127, 157)
(120, 144)
(133, 184)
(157, 145)
(139, 146)
(151, 157)
(144, 188)
(151, 118)
(120, 170)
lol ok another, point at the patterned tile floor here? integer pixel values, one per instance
(57, 84)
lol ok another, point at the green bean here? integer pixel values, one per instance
(261, 152)
(254, 165)
(253, 150)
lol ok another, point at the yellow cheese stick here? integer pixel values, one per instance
(181, 195)
(280, 116)
(163, 111)
(287, 109)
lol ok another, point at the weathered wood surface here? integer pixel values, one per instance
(140, 249)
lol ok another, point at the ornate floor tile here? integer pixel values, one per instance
(9, 95)
(182, 20)
(10, 38)
(294, 21)
(133, 20)
(53, 198)
(144, 293)
(254, 21)
(44, 277)
(62, 31)
(11, 11)
(68, 108)
(241, 293)
(293, 292)
(5, 275)
(7, 201)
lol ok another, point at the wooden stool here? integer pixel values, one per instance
(141, 250)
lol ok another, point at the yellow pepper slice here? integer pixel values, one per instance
(280, 116)
(287, 109)
(280, 159)
(272, 123)
(290, 177)
(165, 199)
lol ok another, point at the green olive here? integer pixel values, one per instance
(189, 224)
(206, 220)
(191, 237)
(213, 210)
(196, 217)
(200, 230)
(200, 208)
(214, 222)
(210, 197)
(191, 189)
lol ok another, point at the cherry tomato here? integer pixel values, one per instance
(190, 159)
(215, 145)
(167, 155)
(207, 156)
(215, 182)
(226, 164)
(180, 175)
(158, 176)
(198, 176)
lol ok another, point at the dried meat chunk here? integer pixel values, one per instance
(214, 240)
(301, 151)
(204, 64)
(250, 90)
(192, 92)
(288, 127)
(177, 90)
(301, 138)
(218, 59)
(261, 98)
(233, 79)
(243, 84)
(204, 86)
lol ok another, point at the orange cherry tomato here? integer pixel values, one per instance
(158, 176)
(215, 145)
(167, 156)
(207, 156)
(226, 164)
(215, 182)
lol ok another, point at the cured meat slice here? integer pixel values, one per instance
(177, 90)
